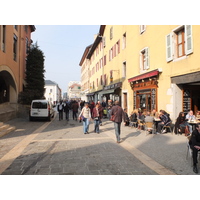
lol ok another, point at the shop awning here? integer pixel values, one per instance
(107, 91)
(186, 78)
(90, 94)
(145, 75)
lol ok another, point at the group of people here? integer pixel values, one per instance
(91, 111)
(86, 115)
(158, 119)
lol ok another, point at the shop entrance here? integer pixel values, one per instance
(143, 100)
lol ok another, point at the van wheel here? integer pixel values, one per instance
(30, 118)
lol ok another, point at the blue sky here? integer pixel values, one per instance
(63, 47)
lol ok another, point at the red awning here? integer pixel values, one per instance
(143, 76)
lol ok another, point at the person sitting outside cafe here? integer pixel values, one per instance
(195, 146)
(134, 117)
(165, 121)
(181, 123)
(149, 118)
(190, 117)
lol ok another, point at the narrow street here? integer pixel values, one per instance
(61, 148)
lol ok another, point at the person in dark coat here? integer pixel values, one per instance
(181, 123)
(75, 107)
(195, 146)
(127, 121)
(60, 108)
(118, 112)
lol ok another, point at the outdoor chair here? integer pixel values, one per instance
(133, 124)
(149, 126)
(167, 127)
(189, 151)
(140, 124)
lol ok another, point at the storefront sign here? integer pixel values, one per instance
(186, 101)
(113, 86)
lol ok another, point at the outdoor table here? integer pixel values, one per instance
(156, 121)
(193, 123)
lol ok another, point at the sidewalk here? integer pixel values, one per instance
(169, 150)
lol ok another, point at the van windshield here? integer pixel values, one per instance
(41, 105)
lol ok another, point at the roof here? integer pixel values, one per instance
(85, 54)
(97, 41)
(49, 82)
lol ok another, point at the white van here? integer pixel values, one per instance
(41, 109)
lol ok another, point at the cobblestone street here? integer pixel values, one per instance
(61, 148)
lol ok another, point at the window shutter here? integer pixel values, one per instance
(169, 55)
(147, 57)
(188, 39)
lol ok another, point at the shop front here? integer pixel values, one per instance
(112, 92)
(190, 86)
(144, 89)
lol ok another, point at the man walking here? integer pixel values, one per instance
(118, 113)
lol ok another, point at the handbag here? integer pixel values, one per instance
(112, 118)
(96, 118)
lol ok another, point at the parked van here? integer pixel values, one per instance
(41, 109)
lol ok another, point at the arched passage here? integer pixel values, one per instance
(8, 90)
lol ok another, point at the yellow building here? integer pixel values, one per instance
(147, 67)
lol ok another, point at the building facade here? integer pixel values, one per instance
(74, 90)
(147, 67)
(52, 91)
(15, 41)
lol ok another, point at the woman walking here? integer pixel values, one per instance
(85, 116)
(96, 117)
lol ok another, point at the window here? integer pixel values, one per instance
(111, 33)
(179, 43)
(144, 59)
(4, 39)
(15, 47)
(15, 27)
(97, 82)
(142, 28)
(124, 70)
(26, 28)
(124, 41)
(118, 47)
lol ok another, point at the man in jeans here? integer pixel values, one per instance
(118, 112)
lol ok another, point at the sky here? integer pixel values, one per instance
(63, 47)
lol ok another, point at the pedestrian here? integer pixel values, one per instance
(118, 114)
(75, 107)
(127, 121)
(100, 113)
(195, 146)
(85, 116)
(110, 105)
(96, 118)
(60, 108)
(66, 110)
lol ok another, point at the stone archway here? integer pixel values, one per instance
(8, 89)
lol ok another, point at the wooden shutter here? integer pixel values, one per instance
(169, 55)
(147, 58)
(188, 39)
